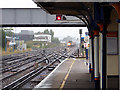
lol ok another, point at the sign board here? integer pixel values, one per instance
(85, 45)
(86, 33)
(82, 39)
(112, 43)
(88, 45)
(86, 39)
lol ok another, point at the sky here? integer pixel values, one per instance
(59, 31)
(17, 4)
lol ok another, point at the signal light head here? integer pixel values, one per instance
(68, 44)
(58, 17)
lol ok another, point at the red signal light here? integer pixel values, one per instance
(58, 17)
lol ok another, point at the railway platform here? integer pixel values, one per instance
(71, 73)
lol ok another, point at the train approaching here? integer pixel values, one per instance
(70, 44)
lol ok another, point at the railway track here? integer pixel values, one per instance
(22, 62)
(11, 64)
(56, 56)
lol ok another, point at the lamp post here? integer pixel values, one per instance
(80, 32)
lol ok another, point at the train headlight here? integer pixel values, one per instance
(68, 44)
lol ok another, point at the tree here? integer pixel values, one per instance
(2, 35)
(39, 32)
(2, 38)
(68, 38)
(55, 40)
(46, 31)
(9, 33)
(51, 33)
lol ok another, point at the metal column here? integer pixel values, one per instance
(104, 58)
(96, 60)
(5, 41)
(103, 64)
(92, 64)
(105, 12)
(101, 56)
(90, 60)
(100, 60)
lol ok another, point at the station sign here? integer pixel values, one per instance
(88, 45)
(85, 45)
(86, 39)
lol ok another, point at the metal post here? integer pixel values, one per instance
(96, 60)
(80, 45)
(101, 56)
(86, 55)
(13, 44)
(90, 60)
(100, 60)
(5, 43)
(92, 64)
(104, 58)
(78, 52)
(103, 65)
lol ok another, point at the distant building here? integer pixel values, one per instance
(27, 32)
(25, 35)
(10, 41)
(18, 44)
(42, 37)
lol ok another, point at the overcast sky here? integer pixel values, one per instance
(59, 31)
(17, 4)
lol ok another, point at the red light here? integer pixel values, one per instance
(58, 18)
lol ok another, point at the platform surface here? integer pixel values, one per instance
(71, 73)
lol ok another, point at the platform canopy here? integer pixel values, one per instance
(68, 8)
(80, 8)
(74, 8)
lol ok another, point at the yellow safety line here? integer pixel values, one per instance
(63, 83)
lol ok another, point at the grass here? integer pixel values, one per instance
(10, 51)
